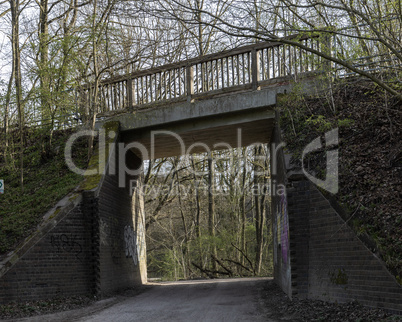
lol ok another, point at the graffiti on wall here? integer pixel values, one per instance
(67, 244)
(104, 231)
(282, 228)
(134, 242)
(130, 240)
(115, 240)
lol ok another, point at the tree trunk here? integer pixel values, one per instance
(198, 211)
(94, 99)
(243, 206)
(186, 252)
(15, 42)
(211, 211)
(6, 116)
(44, 60)
(258, 209)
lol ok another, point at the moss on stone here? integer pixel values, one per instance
(54, 213)
(73, 197)
(339, 277)
(14, 259)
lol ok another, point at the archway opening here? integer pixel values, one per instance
(207, 215)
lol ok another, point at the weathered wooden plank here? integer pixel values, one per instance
(190, 81)
(255, 68)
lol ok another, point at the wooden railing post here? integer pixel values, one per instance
(130, 94)
(190, 82)
(255, 68)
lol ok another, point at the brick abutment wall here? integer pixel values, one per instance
(340, 267)
(121, 234)
(59, 264)
(322, 258)
(94, 244)
(280, 217)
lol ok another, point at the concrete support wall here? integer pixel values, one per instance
(138, 209)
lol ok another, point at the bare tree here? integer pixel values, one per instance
(15, 43)
(378, 22)
(6, 115)
(211, 209)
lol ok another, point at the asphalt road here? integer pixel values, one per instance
(204, 300)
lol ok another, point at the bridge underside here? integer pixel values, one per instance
(174, 129)
(198, 137)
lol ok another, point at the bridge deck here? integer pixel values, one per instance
(229, 121)
(206, 100)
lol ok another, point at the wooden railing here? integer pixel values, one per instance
(245, 68)
(240, 69)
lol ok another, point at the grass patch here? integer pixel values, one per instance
(47, 179)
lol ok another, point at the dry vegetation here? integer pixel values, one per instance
(370, 150)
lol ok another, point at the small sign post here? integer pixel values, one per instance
(1, 186)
